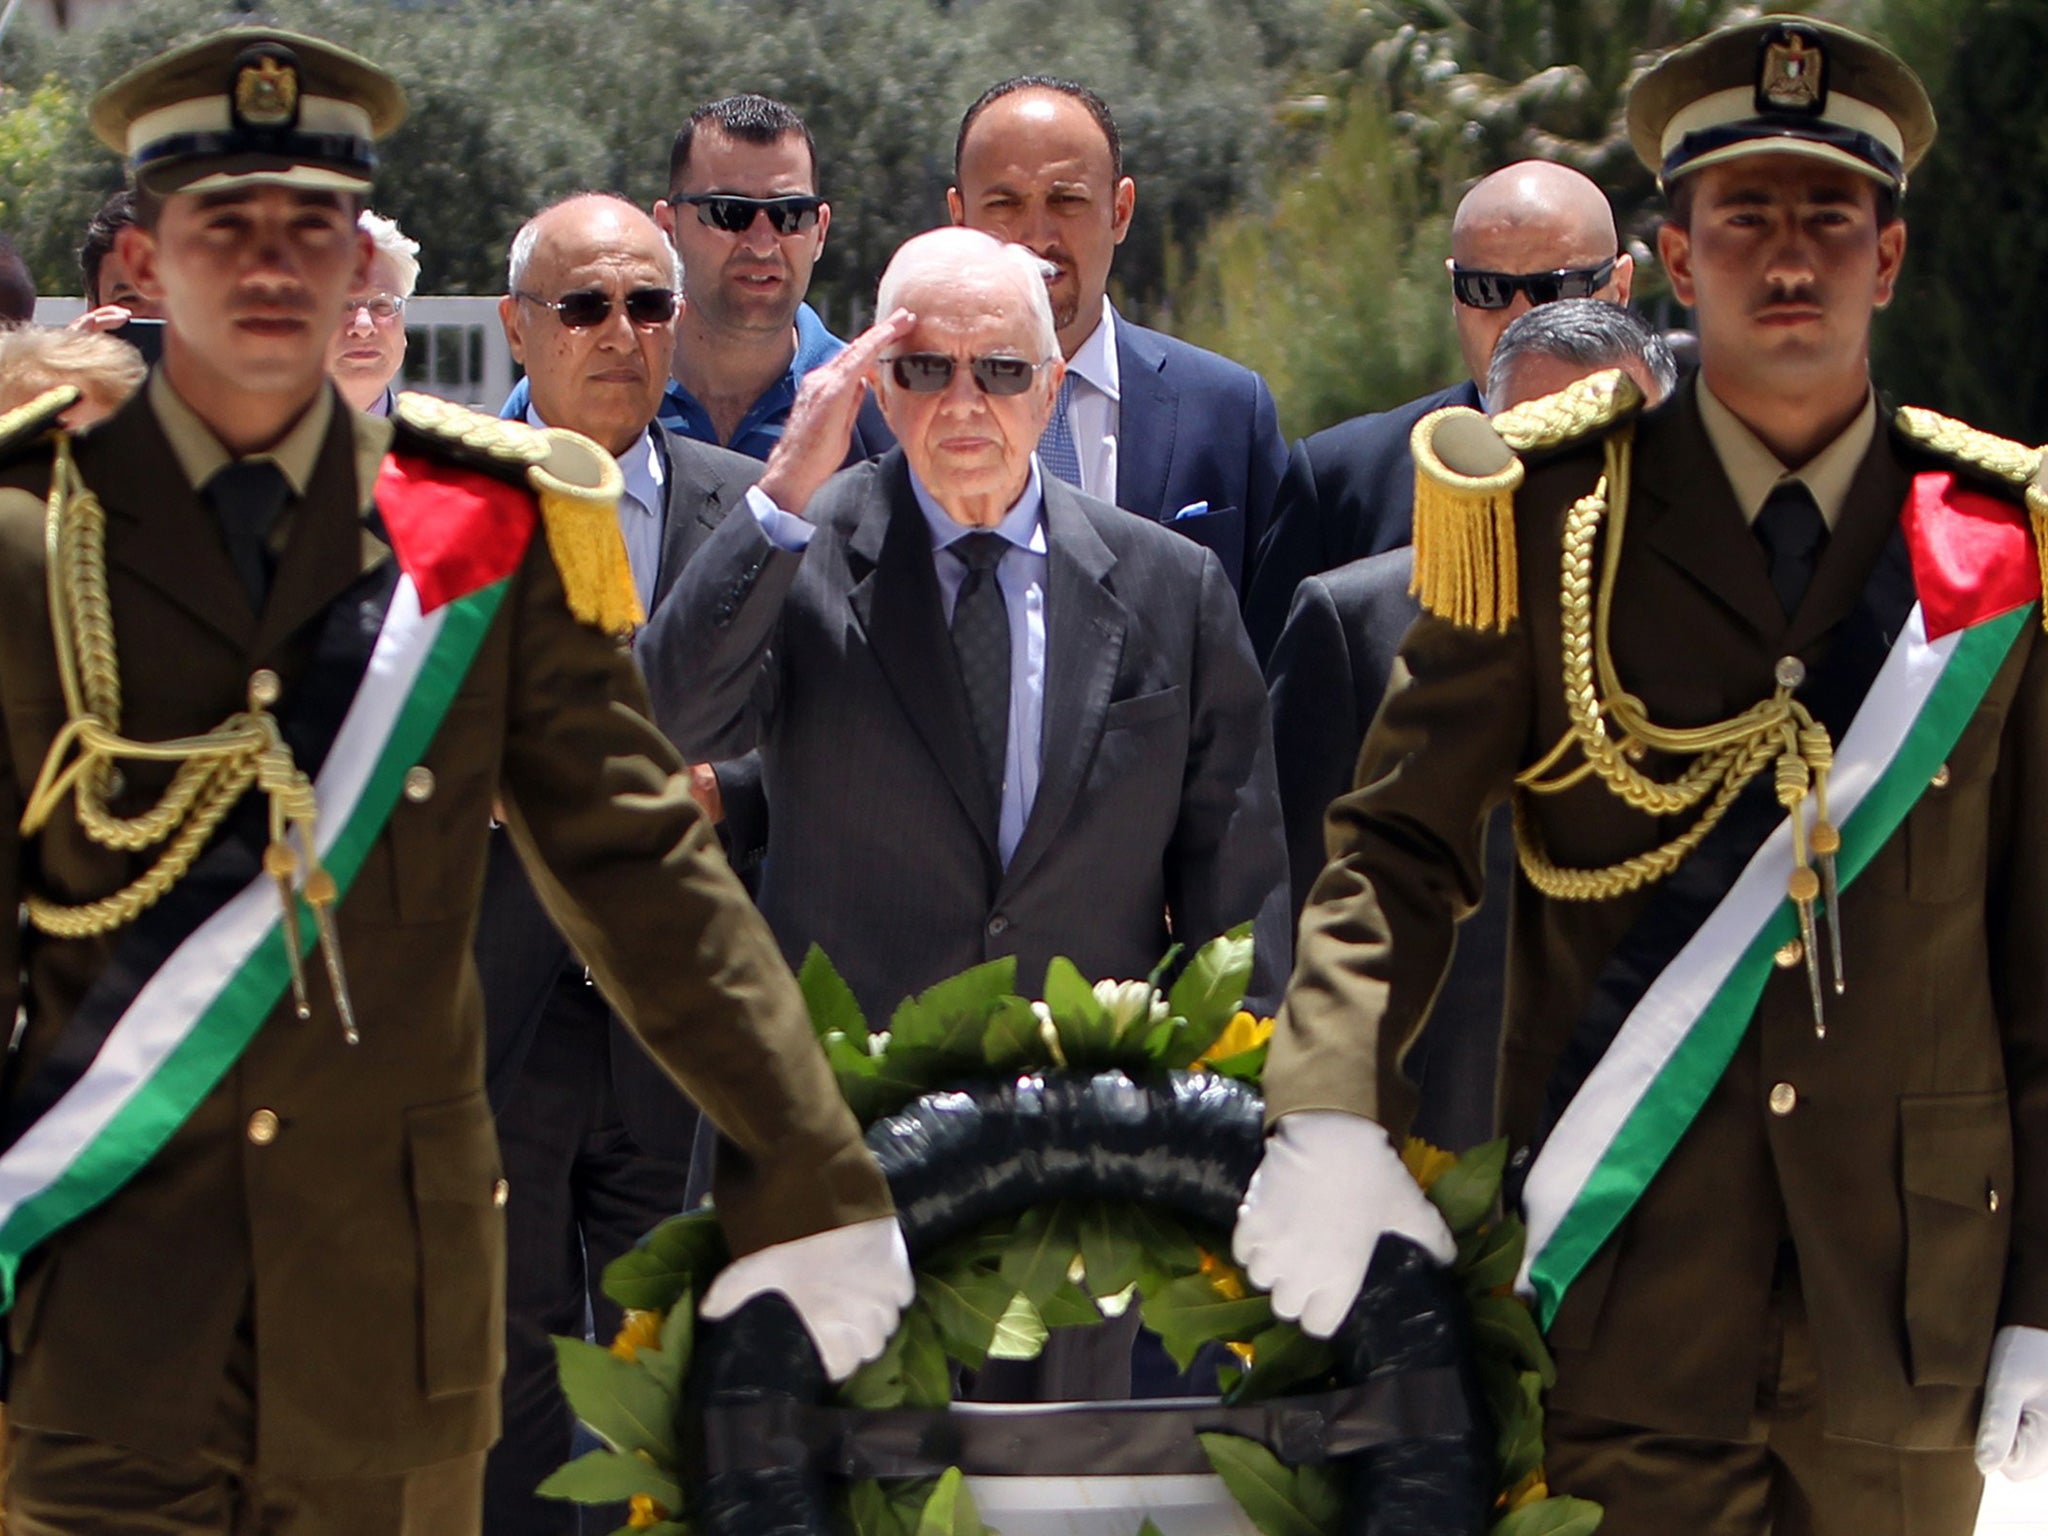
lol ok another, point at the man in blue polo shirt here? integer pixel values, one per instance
(744, 214)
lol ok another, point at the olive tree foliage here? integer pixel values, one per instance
(518, 102)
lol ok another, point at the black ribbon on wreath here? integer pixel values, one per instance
(1407, 1420)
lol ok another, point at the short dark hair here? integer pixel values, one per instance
(1678, 200)
(115, 214)
(749, 119)
(1593, 333)
(1097, 109)
(17, 288)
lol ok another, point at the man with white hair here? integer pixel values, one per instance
(369, 349)
(996, 716)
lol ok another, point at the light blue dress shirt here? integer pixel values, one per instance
(1022, 576)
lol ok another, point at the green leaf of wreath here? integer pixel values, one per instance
(892, 1509)
(831, 1002)
(1111, 1256)
(1209, 992)
(1010, 1041)
(624, 1406)
(682, 1254)
(1466, 1191)
(1042, 1250)
(968, 1308)
(950, 1510)
(1283, 1357)
(1504, 1325)
(1279, 1500)
(1490, 1258)
(1020, 1333)
(607, 1477)
(1069, 1307)
(1550, 1517)
(1189, 1312)
(1085, 1031)
(949, 1017)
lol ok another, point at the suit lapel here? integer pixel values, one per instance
(158, 529)
(895, 599)
(329, 547)
(697, 499)
(1085, 628)
(1690, 518)
(1147, 414)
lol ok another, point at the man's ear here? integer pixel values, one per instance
(664, 215)
(1674, 250)
(956, 207)
(1123, 203)
(1624, 277)
(824, 223)
(508, 316)
(1891, 258)
(136, 247)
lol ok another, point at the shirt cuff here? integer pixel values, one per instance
(785, 530)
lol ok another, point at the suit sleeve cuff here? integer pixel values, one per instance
(785, 530)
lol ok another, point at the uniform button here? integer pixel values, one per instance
(1790, 672)
(501, 1192)
(1991, 1200)
(998, 926)
(419, 785)
(264, 688)
(1784, 1098)
(263, 1127)
(1789, 954)
(1940, 779)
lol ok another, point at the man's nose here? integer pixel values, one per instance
(359, 321)
(962, 396)
(759, 236)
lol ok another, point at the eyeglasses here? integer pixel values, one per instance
(735, 215)
(382, 307)
(1497, 290)
(927, 373)
(586, 307)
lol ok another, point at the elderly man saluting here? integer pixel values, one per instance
(1082, 766)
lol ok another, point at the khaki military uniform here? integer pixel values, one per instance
(1878, 1192)
(307, 1282)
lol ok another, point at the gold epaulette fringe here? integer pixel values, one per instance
(579, 488)
(578, 485)
(1999, 457)
(1465, 480)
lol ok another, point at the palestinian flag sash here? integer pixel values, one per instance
(1673, 1003)
(192, 980)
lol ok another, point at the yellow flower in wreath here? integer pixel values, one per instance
(643, 1513)
(1245, 1032)
(641, 1330)
(1425, 1162)
(1532, 1489)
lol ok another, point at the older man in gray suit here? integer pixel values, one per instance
(995, 716)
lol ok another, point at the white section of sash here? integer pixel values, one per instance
(1667, 1011)
(164, 1012)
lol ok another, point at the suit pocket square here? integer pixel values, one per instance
(1217, 528)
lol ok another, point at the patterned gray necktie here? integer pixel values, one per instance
(1056, 450)
(247, 497)
(981, 644)
(1793, 533)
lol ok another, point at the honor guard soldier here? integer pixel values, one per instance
(269, 664)
(1763, 673)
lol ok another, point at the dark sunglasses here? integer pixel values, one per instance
(927, 373)
(588, 306)
(1497, 290)
(735, 215)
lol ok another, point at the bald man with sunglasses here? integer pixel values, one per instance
(995, 715)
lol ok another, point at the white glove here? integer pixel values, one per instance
(848, 1284)
(1328, 1187)
(2012, 1435)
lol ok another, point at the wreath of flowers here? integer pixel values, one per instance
(996, 1293)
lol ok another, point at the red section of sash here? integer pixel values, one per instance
(454, 530)
(1973, 556)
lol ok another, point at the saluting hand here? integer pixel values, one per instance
(813, 445)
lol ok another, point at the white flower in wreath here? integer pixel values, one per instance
(1126, 1002)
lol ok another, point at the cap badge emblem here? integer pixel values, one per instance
(266, 92)
(1793, 75)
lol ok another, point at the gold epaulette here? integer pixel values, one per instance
(1466, 474)
(577, 484)
(2000, 458)
(26, 424)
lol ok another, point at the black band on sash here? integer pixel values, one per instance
(309, 718)
(1120, 1439)
(1848, 660)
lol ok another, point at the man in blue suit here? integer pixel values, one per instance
(1528, 234)
(1160, 428)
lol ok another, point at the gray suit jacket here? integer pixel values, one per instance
(1156, 819)
(519, 952)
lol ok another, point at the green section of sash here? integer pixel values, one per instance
(217, 1038)
(1672, 1100)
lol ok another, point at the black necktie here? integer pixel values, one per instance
(1793, 534)
(247, 497)
(981, 643)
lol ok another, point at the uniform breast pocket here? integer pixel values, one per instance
(1956, 1170)
(1941, 851)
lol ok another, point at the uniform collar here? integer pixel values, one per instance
(1754, 471)
(201, 455)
